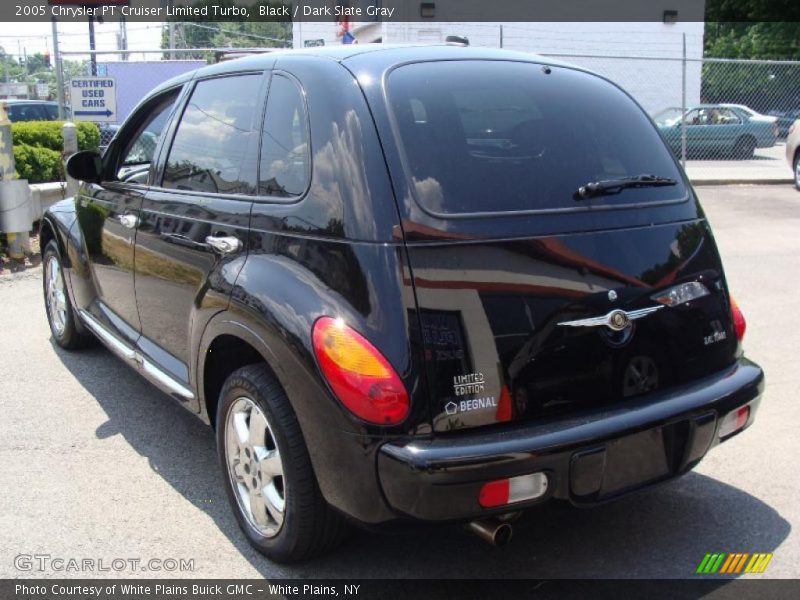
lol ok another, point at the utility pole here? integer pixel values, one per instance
(59, 71)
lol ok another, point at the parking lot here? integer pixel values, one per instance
(96, 463)
(767, 165)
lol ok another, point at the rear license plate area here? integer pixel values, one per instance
(636, 460)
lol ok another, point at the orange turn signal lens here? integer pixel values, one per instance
(359, 374)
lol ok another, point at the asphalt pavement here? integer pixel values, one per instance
(768, 165)
(96, 464)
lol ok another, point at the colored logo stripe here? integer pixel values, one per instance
(733, 563)
(758, 563)
(711, 563)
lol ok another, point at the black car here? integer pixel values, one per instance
(433, 284)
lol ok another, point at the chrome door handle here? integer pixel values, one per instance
(224, 244)
(129, 221)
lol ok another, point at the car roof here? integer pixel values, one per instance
(24, 101)
(373, 57)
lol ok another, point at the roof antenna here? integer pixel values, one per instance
(456, 40)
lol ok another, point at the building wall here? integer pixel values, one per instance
(136, 79)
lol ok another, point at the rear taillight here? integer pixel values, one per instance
(739, 324)
(681, 293)
(359, 375)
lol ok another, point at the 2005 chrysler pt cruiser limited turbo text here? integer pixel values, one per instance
(436, 284)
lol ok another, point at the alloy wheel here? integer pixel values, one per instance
(255, 467)
(56, 296)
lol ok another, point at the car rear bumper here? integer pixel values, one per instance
(588, 459)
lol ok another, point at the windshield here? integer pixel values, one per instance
(500, 136)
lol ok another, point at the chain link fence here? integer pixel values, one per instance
(724, 119)
(135, 73)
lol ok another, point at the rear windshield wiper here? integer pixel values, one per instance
(615, 186)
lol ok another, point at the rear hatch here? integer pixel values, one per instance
(537, 298)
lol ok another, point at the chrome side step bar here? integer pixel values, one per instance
(154, 374)
(117, 346)
(163, 380)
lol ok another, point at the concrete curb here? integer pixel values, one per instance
(701, 182)
(43, 195)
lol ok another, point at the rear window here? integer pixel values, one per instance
(500, 136)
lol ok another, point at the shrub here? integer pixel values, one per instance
(88, 136)
(47, 134)
(38, 146)
(37, 165)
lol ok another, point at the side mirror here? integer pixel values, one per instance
(85, 166)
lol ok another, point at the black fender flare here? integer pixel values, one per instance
(227, 322)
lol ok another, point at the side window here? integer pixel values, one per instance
(140, 148)
(51, 110)
(694, 117)
(727, 117)
(285, 155)
(25, 112)
(211, 149)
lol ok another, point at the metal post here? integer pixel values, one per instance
(15, 206)
(123, 36)
(171, 26)
(70, 134)
(93, 57)
(501, 36)
(683, 105)
(59, 71)
(7, 166)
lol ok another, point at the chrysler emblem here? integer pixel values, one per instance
(616, 320)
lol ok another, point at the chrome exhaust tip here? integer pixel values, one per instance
(493, 531)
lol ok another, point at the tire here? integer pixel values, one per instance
(57, 303)
(253, 410)
(744, 148)
(797, 171)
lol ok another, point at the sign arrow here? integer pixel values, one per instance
(93, 113)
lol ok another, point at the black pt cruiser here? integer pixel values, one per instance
(432, 284)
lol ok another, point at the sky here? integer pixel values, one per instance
(18, 38)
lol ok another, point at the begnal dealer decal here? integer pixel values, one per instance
(468, 385)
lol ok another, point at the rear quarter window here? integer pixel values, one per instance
(502, 136)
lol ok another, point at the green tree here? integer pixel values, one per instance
(10, 69)
(752, 29)
(253, 33)
(763, 29)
